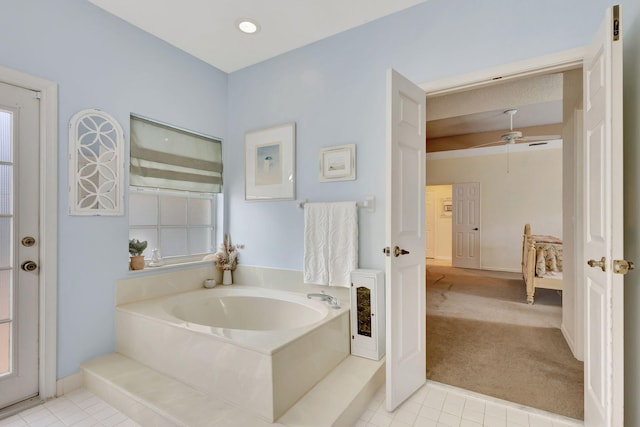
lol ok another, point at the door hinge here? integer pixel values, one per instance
(621, 266)
(616, 23)
(37, 95)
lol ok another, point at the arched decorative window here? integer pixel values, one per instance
(96, 164)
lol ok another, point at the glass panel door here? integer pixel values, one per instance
(6, 243)
(19, 243)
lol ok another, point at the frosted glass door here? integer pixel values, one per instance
(19, 244)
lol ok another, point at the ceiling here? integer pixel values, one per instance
(474, 117)
(207, 29)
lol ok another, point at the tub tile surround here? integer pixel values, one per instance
(157, 283)
(264, 373)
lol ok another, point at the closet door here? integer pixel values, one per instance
(466, 225)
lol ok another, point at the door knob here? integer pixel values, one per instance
(475, 229)
(29, 266)
(397, 252)
(602, 263)
(621, 266)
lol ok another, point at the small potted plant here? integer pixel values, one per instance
(227, 259)
(136, 248)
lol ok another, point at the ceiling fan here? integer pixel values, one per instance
(514, 136)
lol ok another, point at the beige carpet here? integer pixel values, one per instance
(482, 336)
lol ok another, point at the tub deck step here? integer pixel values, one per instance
(153, 399)
(340, 398)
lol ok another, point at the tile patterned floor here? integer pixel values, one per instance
(80, 408)
(439, 405)
(434, 405)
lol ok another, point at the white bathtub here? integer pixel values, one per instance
(258, 348)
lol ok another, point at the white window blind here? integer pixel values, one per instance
(171, 158)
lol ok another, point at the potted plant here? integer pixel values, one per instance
(136, 248)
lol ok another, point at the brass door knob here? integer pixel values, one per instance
(602, 263)
(397, 252)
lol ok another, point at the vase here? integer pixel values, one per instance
(227, 279)
(137, 262)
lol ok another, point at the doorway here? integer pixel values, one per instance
(510, 166)
(42, 250)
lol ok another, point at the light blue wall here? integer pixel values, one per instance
(102, 62)
(334, 90)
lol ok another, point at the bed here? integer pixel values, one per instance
(541, 262)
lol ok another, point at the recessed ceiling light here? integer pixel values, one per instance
(248, 26)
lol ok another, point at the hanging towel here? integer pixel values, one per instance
(330, 243)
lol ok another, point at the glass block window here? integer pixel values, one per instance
(180, 224)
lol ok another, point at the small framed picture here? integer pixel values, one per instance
(338, 163)
(269, 168)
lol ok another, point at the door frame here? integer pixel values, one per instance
(47, 313)
(557, 62)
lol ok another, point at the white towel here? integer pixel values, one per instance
(330, 243)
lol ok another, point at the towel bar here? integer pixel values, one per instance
(369, 203)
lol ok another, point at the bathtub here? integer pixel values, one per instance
(260, 349)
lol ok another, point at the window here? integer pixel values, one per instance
(175, 178)
(179, 223)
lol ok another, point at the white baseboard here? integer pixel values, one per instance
(68, 384)
(569, 339)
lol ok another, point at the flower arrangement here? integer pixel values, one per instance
(227, 257)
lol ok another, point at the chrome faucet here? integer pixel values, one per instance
(333, 301)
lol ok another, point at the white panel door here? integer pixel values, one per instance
(604, 300)
(466, 225)
(405, 240)
(19, 207)
(430, 228)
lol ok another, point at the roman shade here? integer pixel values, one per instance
(163, 156)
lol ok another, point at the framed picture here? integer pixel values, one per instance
(338, 163)
(269, 163)
(447, 207)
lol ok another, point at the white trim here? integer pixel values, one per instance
(69, 383)
(48, 221)
(569, 339)
(555, 62)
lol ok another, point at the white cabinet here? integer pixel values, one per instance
(367, 314)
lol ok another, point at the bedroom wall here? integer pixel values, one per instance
(523, 187)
